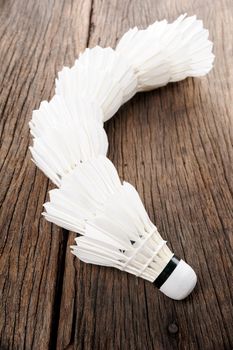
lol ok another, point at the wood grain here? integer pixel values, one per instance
(37, 38)
(173, 144)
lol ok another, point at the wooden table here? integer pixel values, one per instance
(173, 144)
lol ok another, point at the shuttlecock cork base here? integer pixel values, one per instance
(177, 280)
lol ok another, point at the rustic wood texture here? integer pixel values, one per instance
(173, 144)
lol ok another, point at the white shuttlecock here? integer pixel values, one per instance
(65, 135)
(167, 52)
(101, 75)
(116, 230)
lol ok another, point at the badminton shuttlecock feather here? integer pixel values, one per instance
(167, 52)
(66, 131)
(143, 60)
(103, 76)
(65, 135)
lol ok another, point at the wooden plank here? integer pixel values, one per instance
(175, 146)
(37, 38)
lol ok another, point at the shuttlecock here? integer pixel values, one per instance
(65, 135)
(116, 230)
(167, 52)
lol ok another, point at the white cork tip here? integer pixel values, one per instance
(180, 283)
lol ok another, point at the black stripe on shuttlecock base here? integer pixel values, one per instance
(167, 271)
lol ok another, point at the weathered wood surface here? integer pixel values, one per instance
(173, 144)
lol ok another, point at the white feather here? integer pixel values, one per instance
(167, 52)
(65, 135)
(101, 75)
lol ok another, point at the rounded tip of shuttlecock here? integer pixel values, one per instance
(180, 283)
